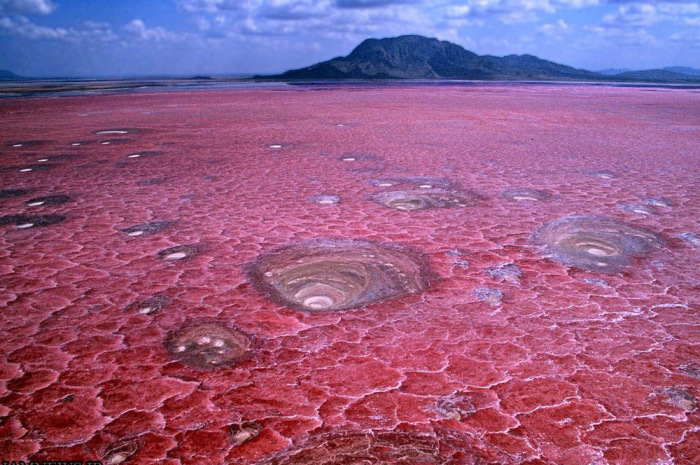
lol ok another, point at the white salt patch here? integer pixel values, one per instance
(318, 301)
(116, 459)
(176, 256)
(597, 252)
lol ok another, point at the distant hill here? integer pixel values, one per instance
(417, 57)
(613, 71)
(684, 70)
(657, 75)
(9, 76)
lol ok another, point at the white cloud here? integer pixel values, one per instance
(27, 7)
(690, 36)
(637, 14)
(677, 9)
(89, 31)
(556, 30)
(634, 14)
(137, 29)
(508, 11)
(210, 6)
(603, 37)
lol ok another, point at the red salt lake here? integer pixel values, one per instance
(152, 244)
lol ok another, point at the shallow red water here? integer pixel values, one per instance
(566, 367)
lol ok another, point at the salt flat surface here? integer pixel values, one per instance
(342, 275)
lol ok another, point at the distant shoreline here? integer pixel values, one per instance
(63, 87)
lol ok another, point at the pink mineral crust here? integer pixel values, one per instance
(514, 354)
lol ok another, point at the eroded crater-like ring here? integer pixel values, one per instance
(596, 243)
(208, 345)
(333, 275)
(423, 199)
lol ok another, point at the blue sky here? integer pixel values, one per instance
(99, 38)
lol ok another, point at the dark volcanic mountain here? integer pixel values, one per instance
(417, 57)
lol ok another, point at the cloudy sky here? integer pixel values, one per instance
(187, 37)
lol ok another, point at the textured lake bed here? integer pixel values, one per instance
(343, 275)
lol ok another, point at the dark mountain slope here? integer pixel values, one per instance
(417, 57)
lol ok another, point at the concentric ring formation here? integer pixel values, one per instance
(331, 275)
(208, 345)
(596, 243)
(423, 199)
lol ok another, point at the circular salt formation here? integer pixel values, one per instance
(208, 345)
(384, 182)
(27, 143)
(372, 448)
(335, 275)
(603, 174)
(31, 221)
(149, 306)
(146, 228)
(520, 194)
(117, 131)
(596, 243)
(508, 272)
(57, 199)
(325, 199)
(122, 451)
(658, 202)
(636, 208)
(179, 252)
(424, 199)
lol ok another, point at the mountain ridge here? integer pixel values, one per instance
(418, 57)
